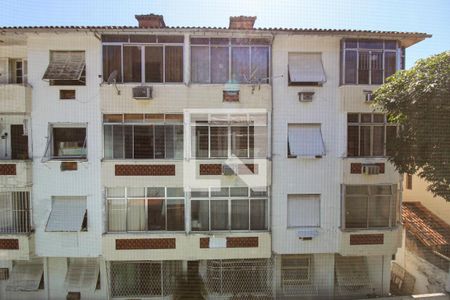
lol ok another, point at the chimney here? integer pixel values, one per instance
(242, 22)
(150, 21)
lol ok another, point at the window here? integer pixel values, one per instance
(369, 135)
(139, 136)
(145, 209)
(15, 212)
(295, 271)
(409, 183)
(66, 142)
(82, 273)
(143, 58)
(303, 211)
(228, 137)
(68, 214)
(138, 279)
(19, 141)
(26, 277)
(306, 69)
(305, 140)
(370, 206)
(66, 94)
(18, 69)
(368, 61)
(218, 60)
(234, 208)
(66, 68)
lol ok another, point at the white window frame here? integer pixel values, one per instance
(48, 154)
(300, 282)
(318, 196)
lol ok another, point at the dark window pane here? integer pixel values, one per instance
(355, 212)
(178, 142)
(170, 39)
(371, 44)
(219, 141)
(258, 214)
(379, 211)
(391, 134)
(352, 118)
(240, 64)
(143, 142)
(118, 142)
(175, 214)
(376, 59)
(220, 41)
(200, 64)
(389, 63)
(366, 118)
(219, 64)
(352, 140)
(239, 141)
(350, 66)
(132, 64)
(219, 214)
(260, 64)
(378, 118)
(169, 141)
(378, 140)
(239, 215)
(159, 141)
(156, 214)
(390, 45)
(69, 142)
(364, 144)
(19, 142)
(351, 44)
(138, 38)
(112, 61)
(200, 147)
(199, 215)
(153, 64)
(363, 68)
(114, 38)
(174, 64)
(128, 132)
(199, 41)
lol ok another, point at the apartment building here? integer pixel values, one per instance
(235, 161)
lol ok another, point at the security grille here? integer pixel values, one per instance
(143, 279)
(239, 278)
(15, 212)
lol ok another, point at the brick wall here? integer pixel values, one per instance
(366, 239)
(138, 244)
(145, 170)
(9, 244)
(234, 242)
(7, 169)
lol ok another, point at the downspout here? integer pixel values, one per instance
(47, 278)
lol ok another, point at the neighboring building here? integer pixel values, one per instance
(231, 161)
(425, 253)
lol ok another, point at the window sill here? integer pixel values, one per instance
(305, 157)
(62, 159)
(143, 160)
(370, 229)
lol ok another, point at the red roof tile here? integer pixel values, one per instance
(424, 225)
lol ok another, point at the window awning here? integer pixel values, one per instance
(25, 277)
(306, 67)
(67, 214)
(352, 271)
(65, 65)
(305, 140)
(82, 274)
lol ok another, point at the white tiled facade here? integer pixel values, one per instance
(265, 244)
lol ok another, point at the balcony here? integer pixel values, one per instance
(15, 174)
(15, 98)
(370, 242)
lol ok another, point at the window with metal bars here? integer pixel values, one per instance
(369, 61)
(15, 212)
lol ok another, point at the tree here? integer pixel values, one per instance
(418, 99)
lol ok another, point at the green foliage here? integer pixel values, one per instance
(419, 100)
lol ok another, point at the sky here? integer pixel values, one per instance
(430, 16)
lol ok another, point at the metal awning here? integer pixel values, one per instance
(306, 67)
(25, 277)
(305, 140)
(82, 274)
(352, 271)
(67, 214)
(65, 65)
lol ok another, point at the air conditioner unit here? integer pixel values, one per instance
(371, 169)
(305, 96)
(368, 96)
(142, 92)
(228, 170)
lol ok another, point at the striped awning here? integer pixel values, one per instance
(306, 68)
(65, 65)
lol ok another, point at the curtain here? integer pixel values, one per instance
(219, 214)
(239, 215)
(174, 64)
(132, 64)
(112, 60)
(136, 215)
(153, 64)
(219, 64)
(200, 64)
(258, 214)
(117, 215)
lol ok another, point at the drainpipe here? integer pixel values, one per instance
(47, 278)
